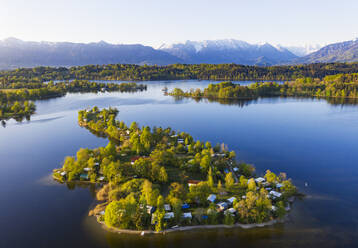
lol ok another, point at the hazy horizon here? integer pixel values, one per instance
(156, 22)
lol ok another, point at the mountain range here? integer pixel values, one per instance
(15, 53)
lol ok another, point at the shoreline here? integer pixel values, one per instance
(191, 228)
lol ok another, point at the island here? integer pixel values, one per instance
(17, 110)
(157, 180)
(336, 86)
(15, 97)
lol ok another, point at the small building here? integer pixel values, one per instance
(96, 164)
(174, 136)
(222, 206)
(193, 182)
(102, 212)
(185, 206)
(128, 132)
(274, 208)
(231, 211)
(63, 173)
(236, 169)
(279, 185)
(275, 194)
(167, 207)
(84, 176)
(168, 215)
(260, 180)
(134, 158)
(150, 209)
(211, 198)
(87, 169)
(231, 200)
(187, 215)
(101, 178)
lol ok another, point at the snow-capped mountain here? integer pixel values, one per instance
(304, 50)
(228, 51)
(16, 53)
(346, 51)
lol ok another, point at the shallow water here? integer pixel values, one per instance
(311, 140)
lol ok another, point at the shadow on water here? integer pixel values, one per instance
(338, 102)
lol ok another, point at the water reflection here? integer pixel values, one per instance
(313, 140)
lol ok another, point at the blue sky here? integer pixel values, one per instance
(153, 22)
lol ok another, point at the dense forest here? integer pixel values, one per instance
(337, 86)
(156, 178)
(177, 71)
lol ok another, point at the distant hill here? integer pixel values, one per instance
(338, 52)
(229, 51)
(16, 53)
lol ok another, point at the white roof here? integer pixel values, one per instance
(279, 185)
(232, 210)
(222, 204)
(273, 208)
(96, 163)
(173, 136)
(87, 169)
(187, 215)
(101, 178)
(63, 173)
(231, 199)
(236, 169)
(211, 197)
(169, 215)
(275, 193)
(102, 212)
(260, 180)
(167, 207)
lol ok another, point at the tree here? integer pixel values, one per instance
(205, 163)
(163, 177)
(150, 196)
(229, 181)
(112, 214)
(210, 178)
(243, 182)
(281, 211)
(270, 177)
(177, 191)
(251, 185)
(145, 139)
(159, 214)
(110, 149)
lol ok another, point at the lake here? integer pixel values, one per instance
(313, 141)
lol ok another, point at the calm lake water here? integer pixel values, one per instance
(311, 140)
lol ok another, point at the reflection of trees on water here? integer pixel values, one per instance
(19, 118)
(92, 187)
(335, 101)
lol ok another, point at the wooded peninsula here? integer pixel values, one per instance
(14, 98)
(21, 86)
(158, 179)
(337, 86)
